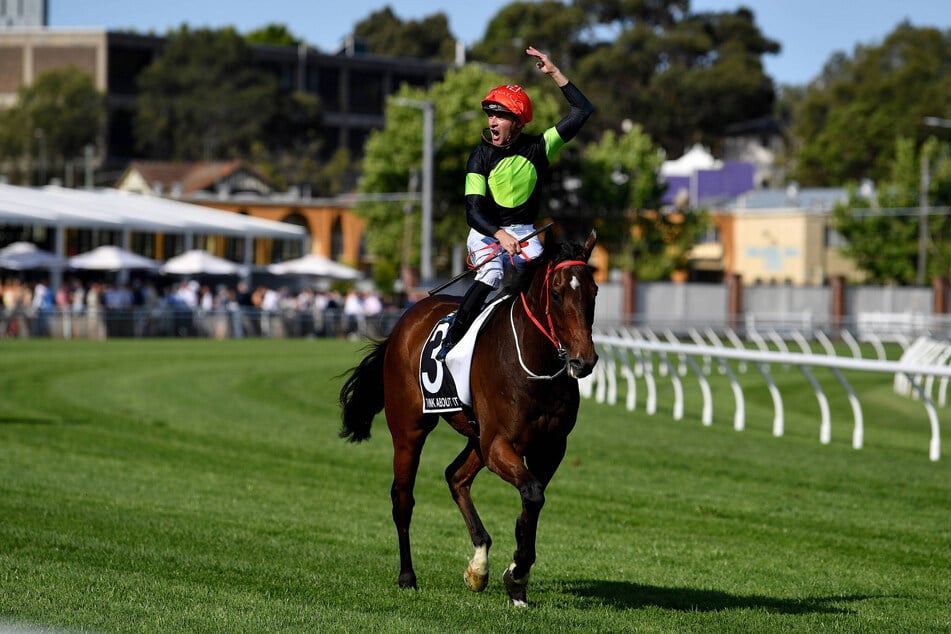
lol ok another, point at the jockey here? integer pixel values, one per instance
(502, 199)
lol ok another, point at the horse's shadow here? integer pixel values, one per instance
(624, 595)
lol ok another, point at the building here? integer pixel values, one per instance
(783, 237)
(352, 87)
(18, 13)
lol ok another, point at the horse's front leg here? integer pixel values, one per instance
(459, 476)
(508, 464)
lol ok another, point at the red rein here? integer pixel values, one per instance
(550, 333)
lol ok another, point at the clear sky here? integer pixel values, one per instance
(808, 30)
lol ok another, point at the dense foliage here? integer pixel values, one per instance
(59, 114)
(846, 125)
(883, 230)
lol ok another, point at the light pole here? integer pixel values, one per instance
(41, 143)
(426, 273)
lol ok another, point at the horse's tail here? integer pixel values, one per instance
(362, 395)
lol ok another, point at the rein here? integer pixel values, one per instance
(550, 332)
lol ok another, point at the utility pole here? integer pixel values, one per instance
(426, 272)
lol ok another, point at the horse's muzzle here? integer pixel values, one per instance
(580, 368)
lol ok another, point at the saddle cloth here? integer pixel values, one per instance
(445, 386)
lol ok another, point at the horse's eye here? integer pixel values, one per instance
(556, 297)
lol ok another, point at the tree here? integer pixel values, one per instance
(846, 125)
(620, 183)
(684, 77)
(549, 26)
(203, 98)
(394, 154)
(882, 234)
(705, 69)
(274, 34)
(62, 110)
(386, 34)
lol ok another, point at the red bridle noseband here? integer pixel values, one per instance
(550, 333)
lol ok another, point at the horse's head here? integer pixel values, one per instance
(570, 292)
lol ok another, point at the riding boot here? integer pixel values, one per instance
(470, 307)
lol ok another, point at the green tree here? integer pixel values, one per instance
(684, 77)
(550, 26)
(393, 158)
(882, 233)
(386, 34)
(62, 110)
(620, 183)
(705, 68)
(204, 98)
(845, 126)
(275, 34)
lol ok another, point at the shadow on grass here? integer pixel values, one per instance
(624, 595)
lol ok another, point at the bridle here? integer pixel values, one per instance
(549, 333)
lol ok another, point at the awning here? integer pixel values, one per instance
(116, 210)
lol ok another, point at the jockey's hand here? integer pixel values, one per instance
(508, 242)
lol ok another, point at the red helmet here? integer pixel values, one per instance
(511, 99)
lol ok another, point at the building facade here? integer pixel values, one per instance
(352, 87)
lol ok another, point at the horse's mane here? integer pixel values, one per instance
(553, 252)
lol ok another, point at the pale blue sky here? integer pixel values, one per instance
(809, 30)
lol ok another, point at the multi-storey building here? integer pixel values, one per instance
(352, 87)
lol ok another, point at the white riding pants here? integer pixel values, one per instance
(482, 248)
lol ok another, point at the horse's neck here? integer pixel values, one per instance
(533, 328)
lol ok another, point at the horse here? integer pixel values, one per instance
(524, 384)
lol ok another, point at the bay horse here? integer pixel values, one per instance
(523, 378)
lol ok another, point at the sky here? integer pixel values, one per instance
(809, 31)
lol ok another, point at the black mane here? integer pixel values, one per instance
(554, 252)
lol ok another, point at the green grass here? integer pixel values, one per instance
(199, 486)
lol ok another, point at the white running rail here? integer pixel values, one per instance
(915, 373)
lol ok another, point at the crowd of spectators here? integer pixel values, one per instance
(188, 308)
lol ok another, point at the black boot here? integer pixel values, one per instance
(468, 310)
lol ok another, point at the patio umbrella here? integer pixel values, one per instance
(24, 256)
(197, 262)
(316, 265)
(111, 258)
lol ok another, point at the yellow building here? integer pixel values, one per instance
(783, 237)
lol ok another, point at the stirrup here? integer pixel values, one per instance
(447, 345)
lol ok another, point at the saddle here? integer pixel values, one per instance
(445, 386)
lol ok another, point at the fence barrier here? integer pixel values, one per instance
(631, 355)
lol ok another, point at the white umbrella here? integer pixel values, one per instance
(197, 261)
(316, 265)
(110, 258)
(23, 256)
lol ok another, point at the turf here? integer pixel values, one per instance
(200, 486)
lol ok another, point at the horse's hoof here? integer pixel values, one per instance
(476, 581)
(515, 587)
(408, 581)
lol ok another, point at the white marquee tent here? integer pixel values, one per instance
(115, 210)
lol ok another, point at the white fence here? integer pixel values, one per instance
(630, 355)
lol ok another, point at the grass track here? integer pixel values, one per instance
(199, 486)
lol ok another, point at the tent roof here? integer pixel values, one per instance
(113, 209)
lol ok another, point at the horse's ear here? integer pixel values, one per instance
(589, 244)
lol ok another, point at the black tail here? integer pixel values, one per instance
(362, 395)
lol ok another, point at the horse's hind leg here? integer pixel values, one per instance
(407, 447)
(459, 476)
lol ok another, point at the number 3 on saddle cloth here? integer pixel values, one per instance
(445, 386)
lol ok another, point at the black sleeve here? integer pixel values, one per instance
(578, 113)
(475, 203)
